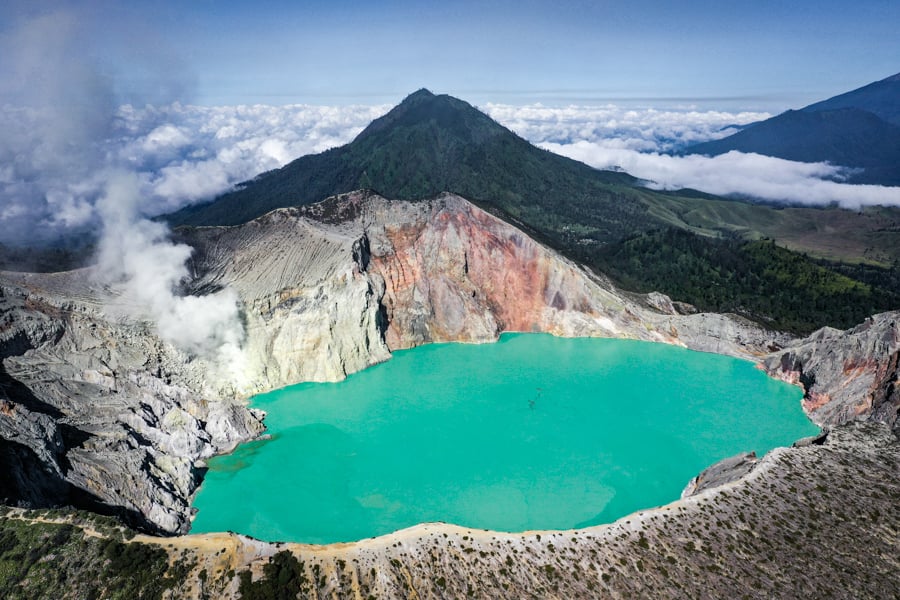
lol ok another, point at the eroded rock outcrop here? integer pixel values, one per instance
(99, 413)
(723, 472)
(846, 375)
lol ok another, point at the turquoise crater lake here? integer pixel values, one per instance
(533, 432)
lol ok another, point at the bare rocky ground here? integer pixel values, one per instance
(96, 411)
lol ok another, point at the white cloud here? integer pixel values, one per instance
(210, 149)
(53, 108)
(181, 154)
(636, 141)
(735, 173)
(165, 138)
(61, 127)
(644, 129)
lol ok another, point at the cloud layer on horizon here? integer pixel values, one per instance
(735, 174)
(182, 154)
(642, 129)
(191, 153)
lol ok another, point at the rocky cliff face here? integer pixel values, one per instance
(100, 413)
(846, 375)
(331, 288)
(311, 311)
(97, 411)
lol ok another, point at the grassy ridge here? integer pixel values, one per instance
(870, 235)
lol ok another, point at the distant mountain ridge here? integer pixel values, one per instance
(881, 98)
(858, 129)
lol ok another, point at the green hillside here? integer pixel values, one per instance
(758, 279)
(870, 235)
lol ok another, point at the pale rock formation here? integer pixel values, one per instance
(115, 418)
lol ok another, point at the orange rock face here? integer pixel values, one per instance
(813, 401)
(460, 274)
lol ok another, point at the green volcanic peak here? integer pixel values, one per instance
(454, 118)
(430, 144)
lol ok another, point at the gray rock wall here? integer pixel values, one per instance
(846, 375)
(116, 418)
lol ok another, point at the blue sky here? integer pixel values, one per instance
(194, 96)
(737, 54)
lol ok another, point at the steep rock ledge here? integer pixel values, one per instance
(721, 473)
(846, 375)
(331, 288)
(311, 312)
(99, 413)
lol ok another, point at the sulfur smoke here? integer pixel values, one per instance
(146, 269)
(58, 178)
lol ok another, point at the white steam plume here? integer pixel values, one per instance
(136, 257)
(59, 174)
(53, 108)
